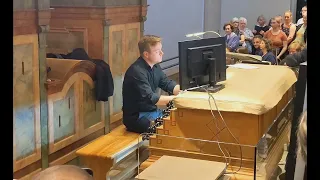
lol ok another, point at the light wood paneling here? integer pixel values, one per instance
(117, 56)
(64, 120)
(92, 115)
(72, 38)
(123, 51)
(26, 112)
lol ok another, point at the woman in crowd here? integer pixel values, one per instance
(232, 40)
(261, 27)
(288, 27)
(280, 19)
(256, 45)
(303, 13)
(246, 35)
(301, 33)
(277, 37)
(266, 54)
(235, 23)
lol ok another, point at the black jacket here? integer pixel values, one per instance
(103, 81)
(104, 86)
(294, 60)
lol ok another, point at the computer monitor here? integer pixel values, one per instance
(202, 63)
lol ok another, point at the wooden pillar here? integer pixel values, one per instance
(30, 18)
(106, 26)
(43, 20)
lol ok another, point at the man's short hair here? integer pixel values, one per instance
(60, 172)
(147, 41)
(257, 37)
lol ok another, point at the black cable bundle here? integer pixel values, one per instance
(158, 121)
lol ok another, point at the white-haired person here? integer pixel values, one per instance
(261, 27)
(246, 35)
(235, 23)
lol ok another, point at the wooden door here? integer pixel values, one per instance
(123, 51)
(26, 101)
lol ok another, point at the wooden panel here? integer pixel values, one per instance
(117, 57)
(65, 154)
(31, 175)
(25, 4)
(93, 29)
(63, 115)
(132, 39)
(125, 14)
(92, 18)
(86, 3)
(64, 40)
(91, 107)
(92, 114)
(182, 125)
(27, 170)
(123, 48)
(24, 22)
(26, 112)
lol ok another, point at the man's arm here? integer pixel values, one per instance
(295, 59)
(164, 100)
(167, 85)
(144, 88)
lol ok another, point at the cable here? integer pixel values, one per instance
(211, 110)
(217, 135)
(210, 95)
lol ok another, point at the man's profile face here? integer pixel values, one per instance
(155, 53)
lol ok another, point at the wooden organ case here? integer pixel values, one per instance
(56, 113)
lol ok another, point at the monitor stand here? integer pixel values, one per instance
(207, 88)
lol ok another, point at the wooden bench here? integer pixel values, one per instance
(107, 151)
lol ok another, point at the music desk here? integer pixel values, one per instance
(250, 102)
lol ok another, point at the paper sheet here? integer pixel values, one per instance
(243, 66)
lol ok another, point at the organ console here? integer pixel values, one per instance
(252, 102)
